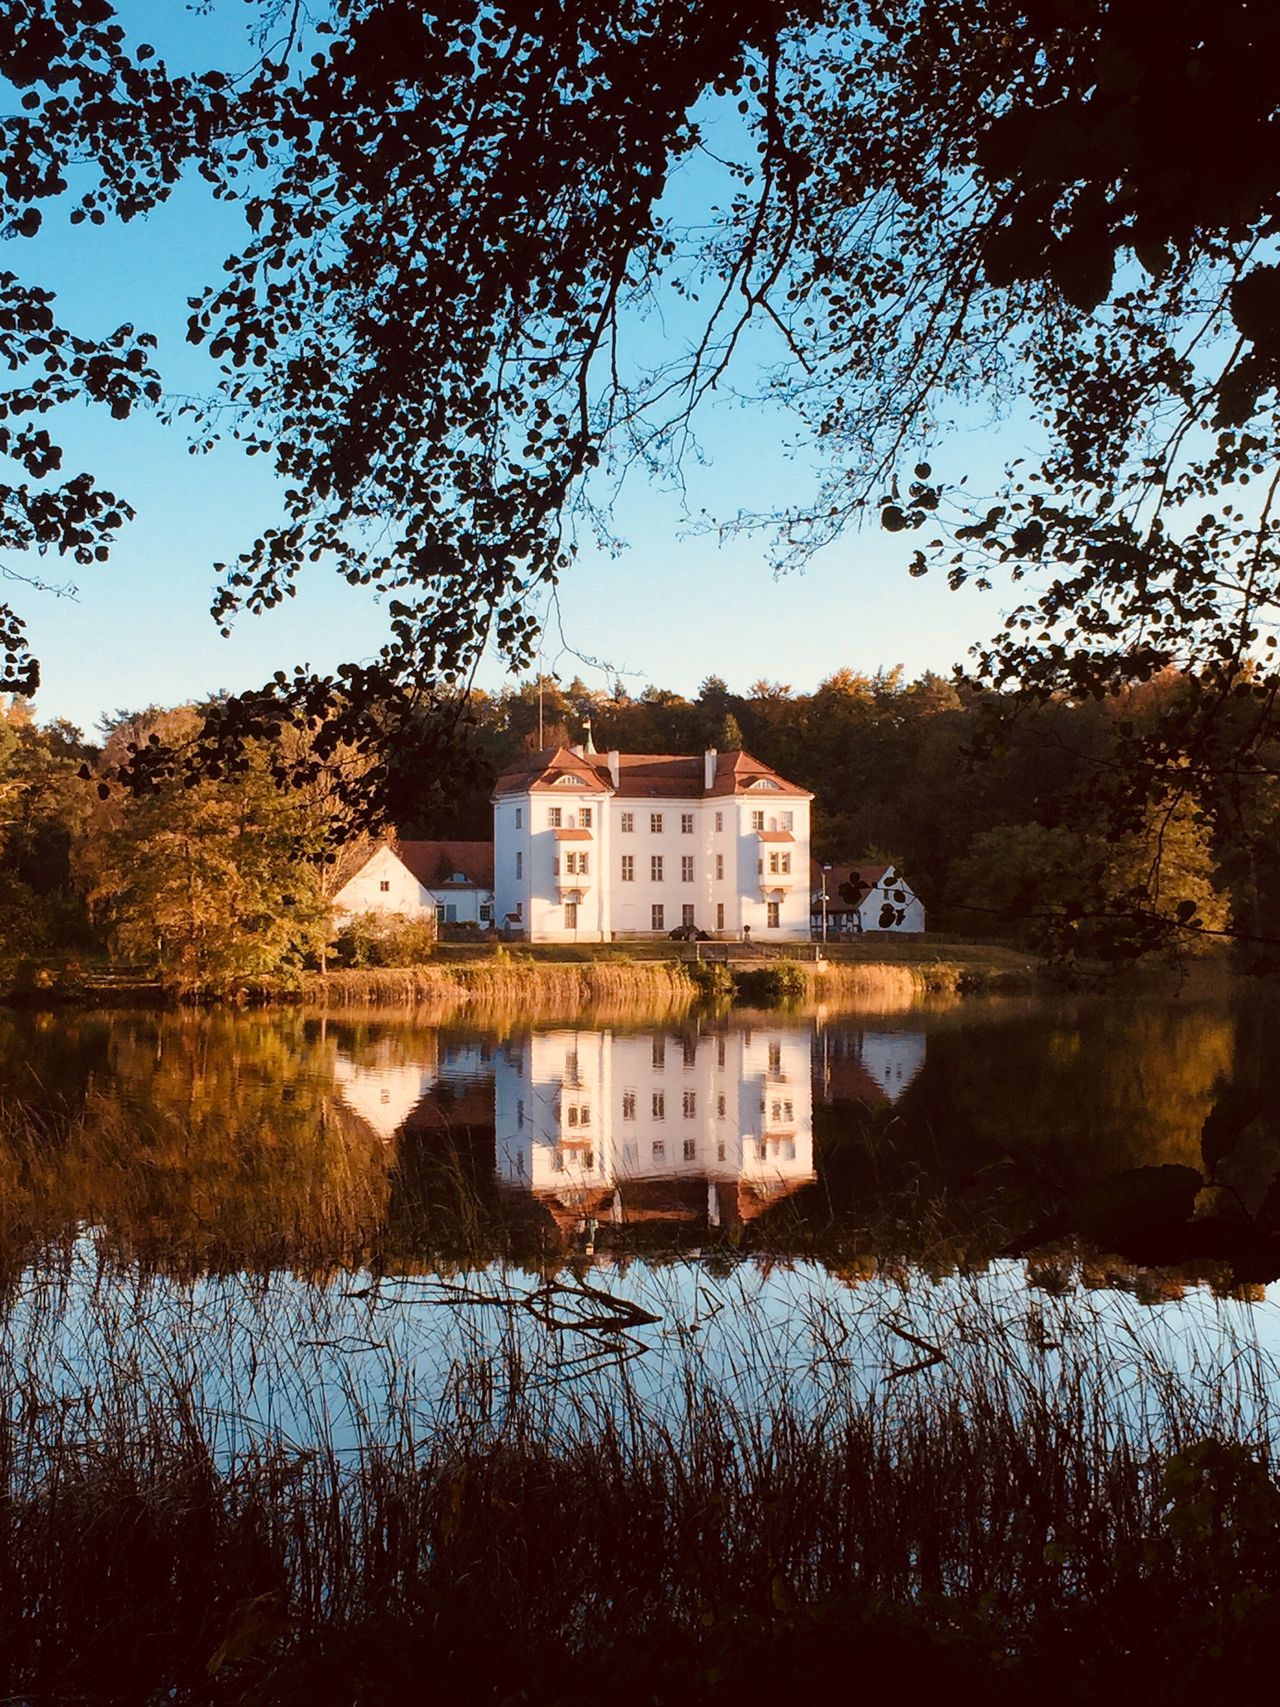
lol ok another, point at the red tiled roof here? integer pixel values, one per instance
(775, 835)
(574, 836)
(428, 862)
(646, 776)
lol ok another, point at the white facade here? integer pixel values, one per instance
(891, 906)
(589, 849)
(387, 884)
(585, 1120)
(887, 904)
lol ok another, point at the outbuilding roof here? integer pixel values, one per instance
(439, 865)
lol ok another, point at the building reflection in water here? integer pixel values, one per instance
(386, 1090)
(625, 1128)
(871, 1067)
(630, 1127)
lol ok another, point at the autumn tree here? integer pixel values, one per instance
(211, 884)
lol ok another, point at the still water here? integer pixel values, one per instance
(193, 1141)
(308, 1225)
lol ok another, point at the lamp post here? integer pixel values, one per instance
(825, 870)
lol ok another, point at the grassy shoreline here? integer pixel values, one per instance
(559, 980)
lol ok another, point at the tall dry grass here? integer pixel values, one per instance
(530, 990)
(657, 1486)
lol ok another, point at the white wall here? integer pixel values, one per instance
(611, 907)
(364, 893)
(887, 892)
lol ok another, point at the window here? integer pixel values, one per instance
(588, 1159)
(757, 820)
(655, 869)
(657, 919)
(628, 1105)
(775, 1058)
(486, 913)
(655, 823)
(557, 1162)
(719, 820)
(659, 1150)
(719, 1051)
(686, 913)
(519, 865)
(628, 868)
(584, 817)
(519, 817)
(775, 1113)
(555, 866)
(628, 823)
(571, 1067)
(690, 1104)
(571, 1116)
(585, 1116)
(772, 919)
(571, 915)
(385, 886)
(554, 816)
(788, 820)
(519, 1111)
(788, 1111)
(690, 1150)
(785, 860)
(719, 915)
(686, 868)
(719, 868)
(519, 912)
(689, 1049)
(762, 1151)
(686, 823)
(773, 864)
(659, 1105)
(719, 1108)
(719, 1152)
(766, 782)
(659, 1053)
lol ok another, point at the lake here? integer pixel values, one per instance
(192, 1142)
(319, 1327)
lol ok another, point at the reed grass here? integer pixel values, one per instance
(273, 1493)
(532, 990)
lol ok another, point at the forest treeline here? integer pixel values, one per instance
(1008, 819)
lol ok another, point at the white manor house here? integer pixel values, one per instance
(591, 846)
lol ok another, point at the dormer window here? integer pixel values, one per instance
(766, 782)
(567, 781)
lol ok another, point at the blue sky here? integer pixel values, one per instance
(672, 608)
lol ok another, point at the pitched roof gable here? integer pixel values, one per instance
(646, 776)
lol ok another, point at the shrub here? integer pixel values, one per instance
(714, 980)
(385, 939)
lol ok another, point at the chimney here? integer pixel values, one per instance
(709, 769)
(611, 759)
